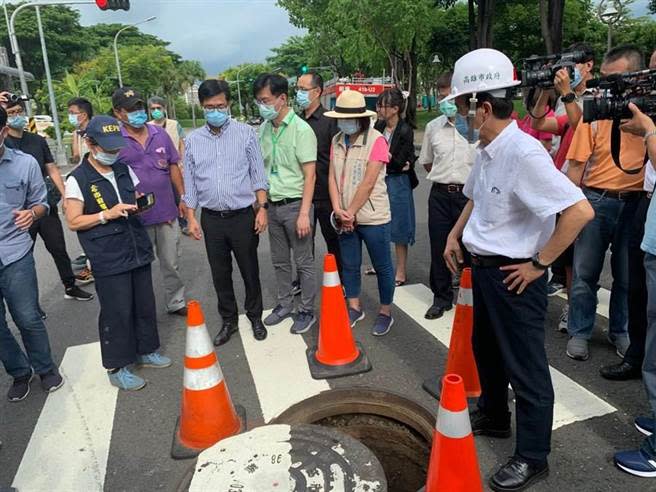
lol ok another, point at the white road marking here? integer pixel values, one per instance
(573, 402)
(70, 444)
(279, 368)
(603, 304)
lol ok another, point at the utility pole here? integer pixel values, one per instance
(116, 58)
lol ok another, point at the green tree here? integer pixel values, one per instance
(246, 74)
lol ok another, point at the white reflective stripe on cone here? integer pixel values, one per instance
(198, 342)
(202, 379)
(455, 425)
(465, 297)
(331, 279)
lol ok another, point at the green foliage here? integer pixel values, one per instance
(245, 74)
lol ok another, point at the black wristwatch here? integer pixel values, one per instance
(536, 262)
(264, 205)
(568, 98)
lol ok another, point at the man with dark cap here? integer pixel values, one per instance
(150, 153)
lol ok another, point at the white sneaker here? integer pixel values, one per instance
(564, 317)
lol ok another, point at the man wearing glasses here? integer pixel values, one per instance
(224, 176)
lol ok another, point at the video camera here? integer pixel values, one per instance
(616, 91)
(611, 102)
(540, 71)
(14, 98)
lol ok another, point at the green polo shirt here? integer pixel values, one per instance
(285, 149)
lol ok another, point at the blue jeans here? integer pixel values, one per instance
(610, 226)
(377, 239)
(649, 363)
(18, 288)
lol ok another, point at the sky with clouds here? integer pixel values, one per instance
(218, 33)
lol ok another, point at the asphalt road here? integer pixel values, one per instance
(138, 427)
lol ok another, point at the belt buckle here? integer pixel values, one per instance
(223, 214)
(452, 188)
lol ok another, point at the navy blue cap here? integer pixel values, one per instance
(105, 131)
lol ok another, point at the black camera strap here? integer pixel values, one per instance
(615, 147)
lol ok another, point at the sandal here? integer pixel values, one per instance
(400, 283)
(370, 271)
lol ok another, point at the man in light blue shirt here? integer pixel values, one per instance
(22, 201)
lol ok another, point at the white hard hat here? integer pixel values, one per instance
(482, 70)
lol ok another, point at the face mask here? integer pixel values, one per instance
(303, 99)
(158, 114)
(72, 119)
(17, 122)
(267, 112)
(216, 117)
(138, 118)
(578, 77)
(105, 158)
(463, 127)
(348, 126)
(448, 108)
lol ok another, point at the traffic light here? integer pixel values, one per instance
(304, 69)
(113, 4)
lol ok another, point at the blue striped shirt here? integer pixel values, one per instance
(223, 171)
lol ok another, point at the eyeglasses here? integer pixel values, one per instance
(220, 107)
(15, 112)
(382, 106)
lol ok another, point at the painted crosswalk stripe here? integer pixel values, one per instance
(69, 447)
(573, 402)
(279, 368)
(603, 304)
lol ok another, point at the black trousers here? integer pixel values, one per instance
(49, 227)
(444, 209)
(637, 287)
(128, 320)
(322, 211)
(508, 342)
(225, 236)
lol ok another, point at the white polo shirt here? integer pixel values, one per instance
(450, 153)
(517, 192)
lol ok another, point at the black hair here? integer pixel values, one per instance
(84, 105)
(3, 117)
(213, 87)
(444, 80)
(14, 103)
(584, 48)
(317, 80)
(392, 97)
(502, 108)
(364, 123)
(630, 52)
(277, 84)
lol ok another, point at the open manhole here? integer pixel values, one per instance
(397, 430)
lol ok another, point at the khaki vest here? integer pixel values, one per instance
(350, 167)
(171, 127)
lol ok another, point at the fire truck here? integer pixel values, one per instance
(370, 87)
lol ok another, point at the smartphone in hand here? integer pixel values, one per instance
(145, 202)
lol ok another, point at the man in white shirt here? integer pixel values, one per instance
(514, 193)
(447, 156)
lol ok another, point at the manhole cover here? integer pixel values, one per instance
(298, 458)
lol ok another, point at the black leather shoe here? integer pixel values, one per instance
(436, 312)
(518, 474)
(259, 331)
(228, 329)
(620, 372)
(482, 425)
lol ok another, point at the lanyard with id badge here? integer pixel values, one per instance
(274, 144)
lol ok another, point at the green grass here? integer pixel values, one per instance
(423, 117)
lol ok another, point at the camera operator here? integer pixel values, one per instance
(614, 196)
(630, 366)
(563, 124)
(642, 462)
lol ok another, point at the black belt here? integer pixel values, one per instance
(648, 194)
(225, 214)
(285, 201)
(449, 188)
(618, 195)
(496, 261)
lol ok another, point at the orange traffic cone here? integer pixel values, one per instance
(207, 414)
(453, 463)
(337, 354)
(461, 354)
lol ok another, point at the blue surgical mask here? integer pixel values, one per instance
(448, 108)
(105, 158)
(157, 114)
(72, 119)
(578, 77)
(303, 99)
(17, 122)
(138, 118)
(216, 117)
(348, 126)
(267, 112)
(463, 127)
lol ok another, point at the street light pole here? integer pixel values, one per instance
(118, 61)
(241, 107)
